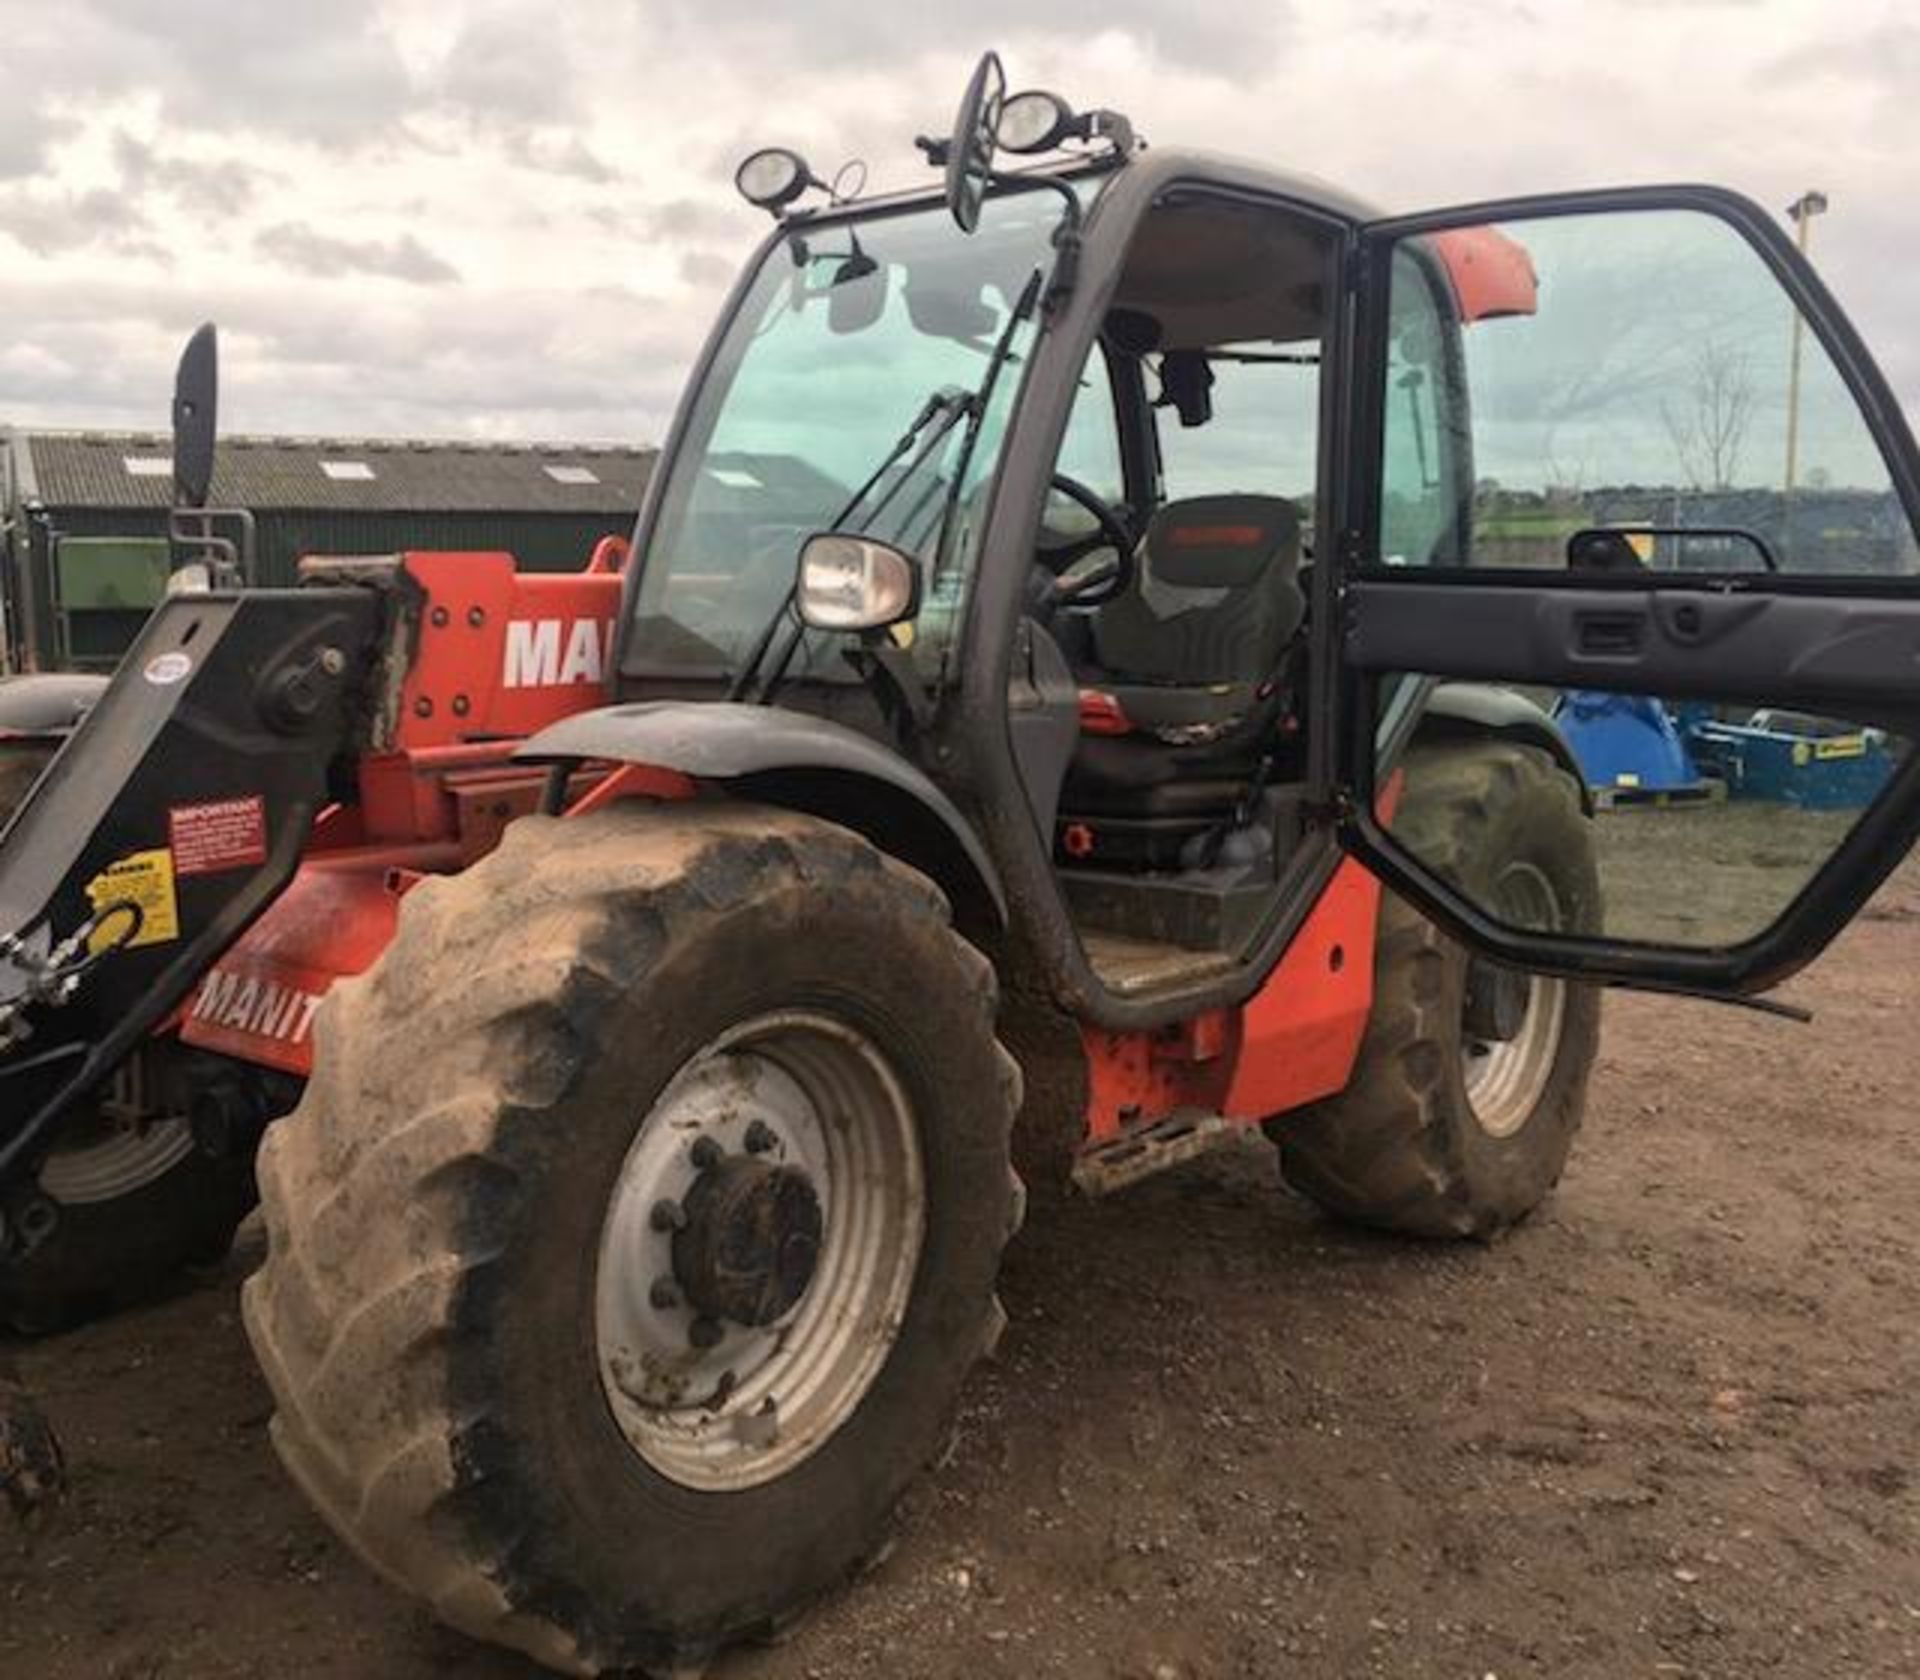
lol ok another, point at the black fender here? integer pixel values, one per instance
(802, 763)
(48, 704)
(1467, 708)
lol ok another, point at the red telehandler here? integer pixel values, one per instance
(629, 980)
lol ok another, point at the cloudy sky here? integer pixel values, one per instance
(514, 219)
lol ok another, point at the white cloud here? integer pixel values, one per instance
(519, 216)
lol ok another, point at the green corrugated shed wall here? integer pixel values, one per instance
(424, 496)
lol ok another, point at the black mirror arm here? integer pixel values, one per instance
(1066, 237)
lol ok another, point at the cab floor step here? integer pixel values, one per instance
(1113, 1165)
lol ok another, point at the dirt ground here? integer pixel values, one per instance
(1669, 1428)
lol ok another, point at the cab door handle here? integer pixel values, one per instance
(1604, 634)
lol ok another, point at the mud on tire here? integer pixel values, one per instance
(1403, 1147)
(426, 1314)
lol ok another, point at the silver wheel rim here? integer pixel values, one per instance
(761, 1398)
(115, 1162)
(1506, 1080)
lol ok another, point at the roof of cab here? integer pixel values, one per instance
(1148, 170)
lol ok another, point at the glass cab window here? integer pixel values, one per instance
(846, 336)
(1650, 377)
(1638, 404)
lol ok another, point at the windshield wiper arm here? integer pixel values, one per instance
(949, 404)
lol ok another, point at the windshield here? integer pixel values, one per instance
(845, 333)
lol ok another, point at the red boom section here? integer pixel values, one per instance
(498, 655)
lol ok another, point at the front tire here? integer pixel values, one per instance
(491, 1234)
(1446, 1130)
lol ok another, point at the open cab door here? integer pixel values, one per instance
(1621, 455)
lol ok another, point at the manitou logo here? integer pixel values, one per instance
(556, 652)
(245, 1003)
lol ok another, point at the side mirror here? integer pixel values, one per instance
(970, 151)
(196, 388)
(854, 583)
(1693, 548)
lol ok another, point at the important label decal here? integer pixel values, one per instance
(145, 880)
(224, 834)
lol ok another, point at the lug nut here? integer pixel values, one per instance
(761, 1138)
(663, 1297)
(668, 1215)
(705, 1153)
(705, 1333)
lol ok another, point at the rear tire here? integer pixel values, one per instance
(1438, 1133)
(432, 1313)
(131, 1206)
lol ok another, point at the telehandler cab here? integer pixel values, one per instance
(1062, 599)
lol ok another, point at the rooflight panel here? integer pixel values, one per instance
(148, 466)
(567, 473)
(357, 472)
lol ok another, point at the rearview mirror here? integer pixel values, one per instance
(854, 583)
(970, 151)
(195, 422)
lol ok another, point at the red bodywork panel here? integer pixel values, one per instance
(258, 1001)
(1293, 1042)
(1492, 274)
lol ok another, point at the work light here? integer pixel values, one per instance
(1034, 121)
(773, 178)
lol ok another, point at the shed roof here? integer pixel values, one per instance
(403, 475)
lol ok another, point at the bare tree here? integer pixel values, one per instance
(1708, 431)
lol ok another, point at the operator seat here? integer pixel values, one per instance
(1189, 690)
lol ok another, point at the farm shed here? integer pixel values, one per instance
(83, 517)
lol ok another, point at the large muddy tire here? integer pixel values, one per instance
(525, 1361)
(125, 1205)
(1471, 1081)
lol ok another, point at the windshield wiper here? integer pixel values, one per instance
(941, 412)
(948, 405)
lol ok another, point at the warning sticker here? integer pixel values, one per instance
(227, 834)
(144, 880)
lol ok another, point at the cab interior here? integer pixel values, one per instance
(1169, 595)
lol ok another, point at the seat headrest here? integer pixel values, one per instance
(1221, 542)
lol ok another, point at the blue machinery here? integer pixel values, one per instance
(1637, 750)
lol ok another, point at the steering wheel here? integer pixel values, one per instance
(1103, 584)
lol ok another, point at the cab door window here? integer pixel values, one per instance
(1646, 426)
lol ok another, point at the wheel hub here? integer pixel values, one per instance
(751, 1241)
(1496, 1004)
(758, 1250)
(1510, 1021)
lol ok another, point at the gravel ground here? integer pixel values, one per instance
(1668, 1428)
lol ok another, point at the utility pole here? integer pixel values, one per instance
(1802, 210)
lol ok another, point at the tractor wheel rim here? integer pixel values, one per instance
(114, 1161)
(1505, 1080)
(717, 1402)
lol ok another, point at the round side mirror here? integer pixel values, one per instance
(970, 151)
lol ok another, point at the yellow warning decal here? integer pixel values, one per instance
(145, 880)
(1841, 746)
